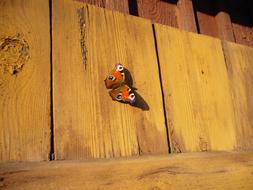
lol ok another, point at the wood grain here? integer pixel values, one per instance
(115, 5)
(223, 21)
(241, 21)
(24, 80)
(239, 61)
(196, 91)
(186, 19)
(205, 11)
(183, 171)
(88, 124)
(214, 19)
(158, 11)
(99, 3)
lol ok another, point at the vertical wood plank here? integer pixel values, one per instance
(241, 22)
(88, 124)
(186, 19)
(205, 15)
(24, 80)
(158, 11)
(214, 19)
(196, 91)
(225, 29)
(117, 5)
(223, 20)
(239, 61)
(99, 3)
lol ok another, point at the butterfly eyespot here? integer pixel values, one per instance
(132, 96)
(119, 67)
(110, 77)
(119, 97)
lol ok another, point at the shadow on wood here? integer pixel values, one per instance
(170, 1)
(140, 102)
(133, 7)
(239, 11)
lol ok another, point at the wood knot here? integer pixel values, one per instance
(14, 53)
(203, 144)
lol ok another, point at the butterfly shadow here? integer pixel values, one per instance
(139, 102)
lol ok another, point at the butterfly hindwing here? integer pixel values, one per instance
(116, 77)
(123, 93)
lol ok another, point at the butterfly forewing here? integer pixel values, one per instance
(116, 77)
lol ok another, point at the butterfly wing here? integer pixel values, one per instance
(116, 77)
(123, 93)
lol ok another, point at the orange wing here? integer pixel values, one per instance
(116, 77)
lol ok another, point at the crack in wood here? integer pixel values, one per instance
(170, 170)
(82, 24)
(203, 144)
(173, 170)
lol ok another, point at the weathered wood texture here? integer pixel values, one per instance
(24, 80)
(158, 11)
(178, 14)
(120, 5)
(198, 102)
(227, 20)
(99, 3)
(185, 16)
(194, 171)
(87, 122)
(242, 22)
(115, 5)
(223, 21)
(205, 11)
(174, 13)
(239, 61)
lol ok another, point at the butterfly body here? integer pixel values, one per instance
(120, 90)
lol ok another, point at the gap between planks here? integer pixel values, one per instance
(51, 153)
(161, 86)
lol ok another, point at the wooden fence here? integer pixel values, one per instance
(195, 95)
(196, 90)
(230, 20)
